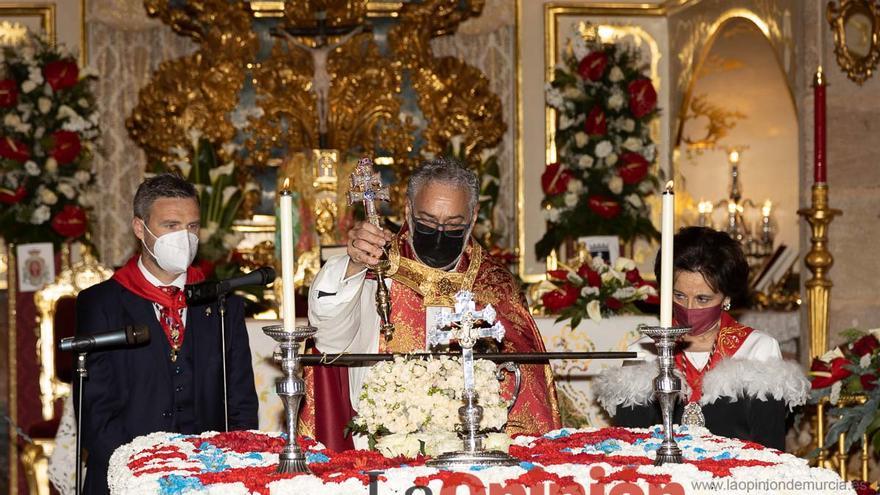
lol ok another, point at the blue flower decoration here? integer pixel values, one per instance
(212, 458)
(561, 434)
(478, 468)
(722, 456)
(528, 466)
(174, 484)
(607, 446)
(316, 458)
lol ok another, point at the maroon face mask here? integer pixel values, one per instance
(699, 319)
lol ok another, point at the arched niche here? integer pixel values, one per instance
(739, 80)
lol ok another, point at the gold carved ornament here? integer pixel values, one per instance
(199, 90)
(856, 28)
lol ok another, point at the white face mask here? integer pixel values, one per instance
(174, 251)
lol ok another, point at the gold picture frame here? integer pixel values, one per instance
(856, 28)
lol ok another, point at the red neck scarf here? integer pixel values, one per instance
(131, 277)
(730, 338)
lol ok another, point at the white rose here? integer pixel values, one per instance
(604, 148)
(571, 199)
(634, 200)
(554, 98)
(497, 441)
(615, 102)
(585, 161)
(579, 48)
(35, 74)
(832, 355)
(12, 120)
(39, 132)
(615, 184)
(581, 139)
(551, 215)
(40, 215)
(646, 187)
(82, 176)
(646, 290)
(649, 151)
(82, 102)
(615, 74)
(44, 104)
(628, 125)
(611, 159)
(594, 310)
(624, 264)
(633, 144)
(27, 53)
(589, 291)
(32, 168)
(573, 93)
(624, 293)
(48, 197)
(51, 165)
(398, 444)
(66, 190)
(565, 122)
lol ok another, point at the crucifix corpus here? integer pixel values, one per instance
(460, 325)
(366, 188)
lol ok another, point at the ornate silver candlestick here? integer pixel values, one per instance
(459, 326)
(291, 388)
(666, 387)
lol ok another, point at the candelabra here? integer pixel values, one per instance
(291, 388)
(666, 388)
(757, 243)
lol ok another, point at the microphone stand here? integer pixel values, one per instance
(221, 308)
(81, 373)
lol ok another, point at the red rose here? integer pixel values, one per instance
(8, 93)
(865, 345)
(9, 197)
(591, 276)
(604, 206)
(555, 179)
(642, 97)
(613, 303)
(61, 74)
(65, 146)
(14, 150)
(592, 67)
(595, 125)
(70, 221)
(653, 299)
(869, 381)
(558, 274)
(633, 168)
(634, 277)
(560, 299)
(825, 375)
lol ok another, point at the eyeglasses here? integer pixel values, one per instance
(430, 227)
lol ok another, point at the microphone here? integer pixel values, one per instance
(128, 336)
(206, 292)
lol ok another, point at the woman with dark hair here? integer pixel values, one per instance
(734, 381)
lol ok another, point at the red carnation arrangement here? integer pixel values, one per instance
(45, 166)
(595, 289)
(849, 370)
(605, 104)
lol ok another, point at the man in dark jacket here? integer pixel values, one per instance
(175, 382)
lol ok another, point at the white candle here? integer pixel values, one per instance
(667, 226)
(819, 34)
(288, 309)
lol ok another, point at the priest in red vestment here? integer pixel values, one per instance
(432, 258)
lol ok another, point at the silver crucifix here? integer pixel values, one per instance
(459, 326)
(367, 188)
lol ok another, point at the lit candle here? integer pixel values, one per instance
(288, 309)
(705, 210)
(765, 210)
(667, 226)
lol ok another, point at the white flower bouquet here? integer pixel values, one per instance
(410, 406)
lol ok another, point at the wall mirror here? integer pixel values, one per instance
(856, 28)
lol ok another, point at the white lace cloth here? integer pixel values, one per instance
(62, 462)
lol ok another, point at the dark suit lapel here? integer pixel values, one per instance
(141, 310)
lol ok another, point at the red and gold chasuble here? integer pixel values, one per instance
(417, 286)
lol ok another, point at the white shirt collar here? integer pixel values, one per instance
(179, 282)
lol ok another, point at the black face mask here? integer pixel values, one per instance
(436, 249)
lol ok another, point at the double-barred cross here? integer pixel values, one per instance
(458, 326)
(366, 187)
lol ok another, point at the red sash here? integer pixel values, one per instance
(729, 339)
